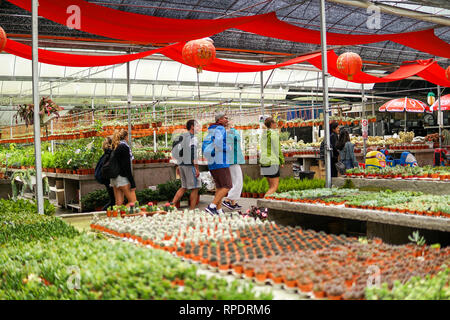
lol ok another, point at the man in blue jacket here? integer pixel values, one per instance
(214, 149)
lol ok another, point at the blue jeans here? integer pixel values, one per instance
(348, 164)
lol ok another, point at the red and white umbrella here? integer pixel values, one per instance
(445, 104)
(404, 104)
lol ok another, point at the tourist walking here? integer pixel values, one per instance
(271, 155)
(235, 158)
(107, 150)
(334, 137)
(215, 150)
(184, 151)
(347, 148)
(123, 184)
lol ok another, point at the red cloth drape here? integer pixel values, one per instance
(435, 75)
(403, 72)
(136, 27)
(74, 60)
(425, 41)
(427, 69)
(219, 65)
(122, 25)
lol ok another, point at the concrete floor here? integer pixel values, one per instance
(205, 200)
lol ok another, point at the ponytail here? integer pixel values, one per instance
(117, 137)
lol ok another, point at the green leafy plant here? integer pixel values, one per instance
(417, 239)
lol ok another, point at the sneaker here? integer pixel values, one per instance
(228, 205)
(212, 211)
(220, 211)
(237, 206)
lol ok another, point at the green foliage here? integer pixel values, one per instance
(95, 199)
(417, 288)
(416, 238)
(20, 222)
(348, 184)
(285, 184)
(164, 192)
(44, 270)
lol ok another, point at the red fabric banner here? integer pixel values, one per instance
(219, 65)
(137, 27)
(122, 25)
(427, 69)
(403, 72)
(425, 41)
(74, 60)
(435, 75)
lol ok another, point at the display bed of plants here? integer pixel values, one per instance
(407, 202)
(45, 258)
(258, 187)
(426, 173)
(96, 200)
(303, 261)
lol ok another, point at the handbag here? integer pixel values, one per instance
(340, 166)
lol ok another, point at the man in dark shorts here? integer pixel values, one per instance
(214, 149)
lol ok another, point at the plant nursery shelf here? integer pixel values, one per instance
(433, 187)
(375, 216)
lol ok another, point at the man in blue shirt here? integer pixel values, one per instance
(214, 149)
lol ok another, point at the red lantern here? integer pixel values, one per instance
(2, 39)
(349, 63)
(199, 53)
(447, 73)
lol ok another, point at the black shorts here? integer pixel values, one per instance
(272, 171)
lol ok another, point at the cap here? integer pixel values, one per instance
(219, 115)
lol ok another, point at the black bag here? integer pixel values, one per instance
(99, 166)
(322, 150)
(110, 168)
(340, 167)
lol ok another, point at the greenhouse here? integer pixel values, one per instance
(225, 150)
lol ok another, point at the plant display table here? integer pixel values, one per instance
(306, 262)
(433, 187)
(67, 189)
(391, 227)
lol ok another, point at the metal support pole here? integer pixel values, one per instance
(153, 98)
(36, 118)
(363, 107)
(440, 118)
(326, 115)
(373, 115)
(93, 110)
(198, 88)
(129, 105)
(11, 127)
(240, 107)
(165, 122)
(52, 143)
(262, 92)
(154, 140)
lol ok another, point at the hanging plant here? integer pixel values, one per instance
(47, 108)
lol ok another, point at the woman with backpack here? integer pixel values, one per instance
(123, 184)
(107, 150)
(347, 153)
